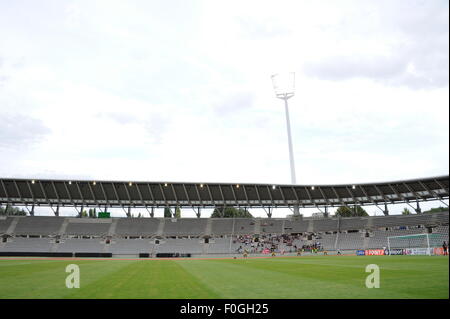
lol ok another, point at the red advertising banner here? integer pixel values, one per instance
(374, 252)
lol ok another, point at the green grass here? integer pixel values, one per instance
(280, 277)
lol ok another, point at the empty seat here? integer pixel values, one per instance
(38, 225)
(72, 245)
(184, 227)
(222, 226)
(131, 246)
(88, 229)
(137, 226)
(5, 222)
(27, 245)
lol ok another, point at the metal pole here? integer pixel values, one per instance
(287, 93)
(389, 246)
(291, 152)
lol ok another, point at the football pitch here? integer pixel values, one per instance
(318, 277)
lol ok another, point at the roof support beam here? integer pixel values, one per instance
(116, 194)
(175, 195)
(309, 196)
(442, 186)
(412, 191)
(324, 197)
(31, 191)
(282, 196)
(44, 192)
(151, 194)
(223, 197)
(163, 195)
(370, 198)
(81, 194)
(270, 195)
(338, 197)
(187, 195)
(295, 195)
(128, 193)
(434, 193)
(6, 191)
(68, 193)
(56, 191)
(400, 196)
(93, 194)
(351, 195)
(257, 195)
(18, 192)
(383, 195)
(246, 196)
(234, 195)
(104, 194)
(210, 195)
(140, 196)
(198, 194)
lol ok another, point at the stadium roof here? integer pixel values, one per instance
(46, 192)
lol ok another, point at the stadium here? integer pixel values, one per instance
(147, 152)
(41, 243)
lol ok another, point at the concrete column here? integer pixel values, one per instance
(386, 211)
(418, 209)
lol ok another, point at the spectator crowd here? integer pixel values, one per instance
(276, 243)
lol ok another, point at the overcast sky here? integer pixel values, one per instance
(181, 90)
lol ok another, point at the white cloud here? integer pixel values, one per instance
(182, 92)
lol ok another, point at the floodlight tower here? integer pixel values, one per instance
(284, 87)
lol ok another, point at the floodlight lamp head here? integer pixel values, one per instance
(284, 85)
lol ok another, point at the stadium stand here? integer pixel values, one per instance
(144, 227)
(442, 229)
(20, 244)
(131, 246)
(88, 227)
(328, 224)
(5, 222)
(221, 226)
(38, 225)
(410, 220)
(328, 241)
(296, 226)
(95, 245)
(184, 227)
(222, 246)
(271, 226)
(353, 223)
(379, 238)
(244, 226)
(186, 245)
(133, 236)
(348, 241)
